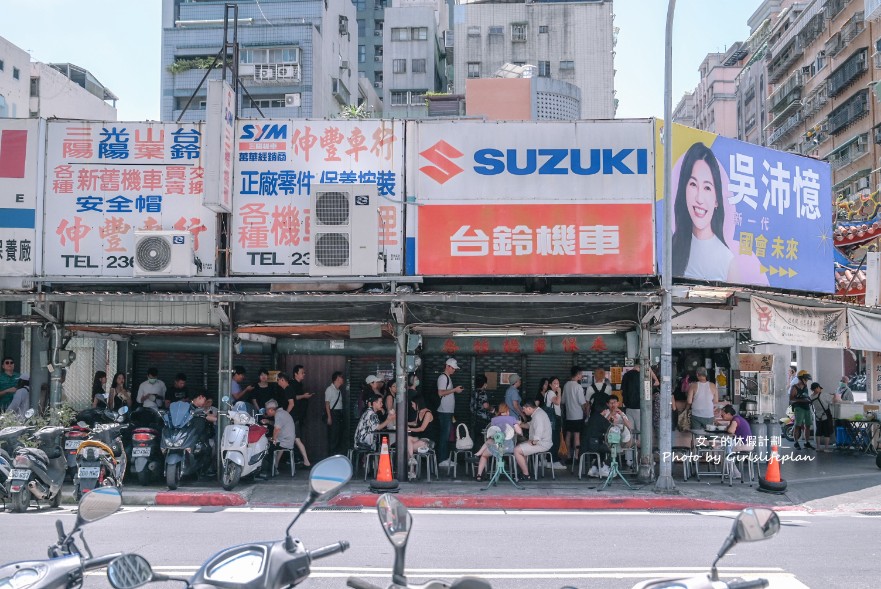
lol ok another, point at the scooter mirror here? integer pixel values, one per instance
(29, 413)
(755, 524)
(225, 400)
(129, 571)
(123, 410)
(329, 476)
(98, 504)
(395, 519)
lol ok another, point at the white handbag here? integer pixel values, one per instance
(463, 438)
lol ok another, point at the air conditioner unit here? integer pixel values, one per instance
(863, 183)
(164, 253)
(377, 84)
(345, 226)
(344, 64)
(292, 100)
(287, 71)
(267, 73)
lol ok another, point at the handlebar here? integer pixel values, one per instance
(756, 584)
(100, 561)
(328, 550)
(356, 583)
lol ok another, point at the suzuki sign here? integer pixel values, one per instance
(584, 161)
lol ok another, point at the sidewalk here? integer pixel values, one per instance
(829, 482)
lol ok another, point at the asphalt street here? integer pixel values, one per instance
(515, 549)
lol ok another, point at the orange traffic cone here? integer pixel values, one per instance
(772, 473)
(384, 474)
(772, 482)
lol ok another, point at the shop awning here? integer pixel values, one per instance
(865, 330)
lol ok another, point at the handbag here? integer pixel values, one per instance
(563, 452)
(463, 438)
(684, 421)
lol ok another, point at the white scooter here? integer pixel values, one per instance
(243, 447)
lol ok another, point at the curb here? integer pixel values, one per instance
(515, 502)
(196, 499)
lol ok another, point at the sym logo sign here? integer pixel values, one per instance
(264, 132)
(440, 155)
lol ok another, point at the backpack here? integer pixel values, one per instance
(463, 438)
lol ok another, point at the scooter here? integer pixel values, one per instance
(67, 564)
(257, 565)
(787, 424)
(243, 447)
(79, 431)
(10, 441)
(185, 443)
(751, 524)
(38, 473)
(396, 522)
(147, 460)
(101, 459)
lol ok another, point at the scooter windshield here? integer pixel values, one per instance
(179, 414)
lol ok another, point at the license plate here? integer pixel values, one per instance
(141, 451)
(21, 474)
(71, 444)
(89, 472)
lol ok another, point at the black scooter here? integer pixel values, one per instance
(146, 460)
(38, 473)
(257, 565)
(101, 458)
(185, 443)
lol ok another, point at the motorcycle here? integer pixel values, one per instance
(787, 424)
(751, 525)
(67, 564)
(185, 443)
(396, 522)
(79, 431)
(147, 460)
(38, 473)
(10, 441)
(101, 459)
(243, 447)
(264, 565)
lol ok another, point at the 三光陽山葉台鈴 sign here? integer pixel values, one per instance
(746, 214)
(277, 164)
(535, 239)
(104, 181)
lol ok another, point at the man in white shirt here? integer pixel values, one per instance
(446, 391)
(539, 437)
(151, 393)
(576, 408)
(333, 398)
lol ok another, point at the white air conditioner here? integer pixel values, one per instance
(344, 64)
(863, 183)
(164, 253)
(292, 100)
(267, 73)
(345, 226)
(287, 71)
(377, 84)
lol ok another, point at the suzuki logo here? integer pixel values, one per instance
(443, 169)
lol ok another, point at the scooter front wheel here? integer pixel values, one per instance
(144, 477)
(787, 431)
(232, 472)
(20, 500)
(172, 476)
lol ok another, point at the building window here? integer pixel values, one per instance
(472, 32)
(35, 87)
(399, 66)
(567, 65)
(519, 32)
(275, 55)
(360, 4)
(400, 34)
(544, 69)
(419, 33)
(16, 73)
(2, 65)
(275, 102)
(418, 66)
(417, 97)
(543, 29)
(493, 31)
(4, 109)
(473, 69)
(362, 53)
(362, 28)
(821, 61)
(400, 98)
(377, 28)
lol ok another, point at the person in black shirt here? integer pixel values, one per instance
(178, 390)
(298, 397)
(263, 390)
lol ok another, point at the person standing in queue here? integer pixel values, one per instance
(447, 393)
(800, 399)
(334, 398)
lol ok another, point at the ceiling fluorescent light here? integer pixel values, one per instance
(489, 333)
(578, 332)
(699, 331)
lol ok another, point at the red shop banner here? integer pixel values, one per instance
(551, 239)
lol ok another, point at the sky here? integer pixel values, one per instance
(119, 42)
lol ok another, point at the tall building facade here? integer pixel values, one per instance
(569, 41)
(15, 69)
(413, 56)
(750, 83)
(297, 57)
(713, 104)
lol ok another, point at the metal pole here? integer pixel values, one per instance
(401, 402)
(646, 439)
(665, 438)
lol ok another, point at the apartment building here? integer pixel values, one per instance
(712, 106)
(297, 57)
(684, 111)
(750, 82)
(15, 68)
(569, 41)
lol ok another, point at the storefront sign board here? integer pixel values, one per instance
(795, 325)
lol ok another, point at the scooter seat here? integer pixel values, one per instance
(255, 432)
